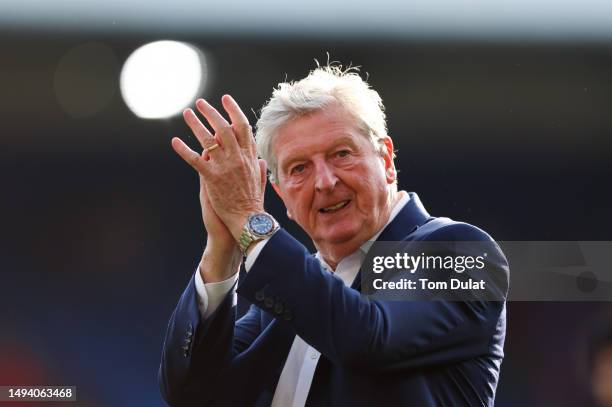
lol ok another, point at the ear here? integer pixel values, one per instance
(387, 156)
(277, 190)
(280, 195)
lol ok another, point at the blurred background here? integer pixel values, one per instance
(501, 113)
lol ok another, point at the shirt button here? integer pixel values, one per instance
(314, 356)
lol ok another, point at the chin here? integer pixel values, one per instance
(340, 235)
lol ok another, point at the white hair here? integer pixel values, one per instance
(322, 87)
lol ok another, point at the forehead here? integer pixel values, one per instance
(317, 130)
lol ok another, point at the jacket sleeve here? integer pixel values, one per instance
(352, 330)
(196, 353)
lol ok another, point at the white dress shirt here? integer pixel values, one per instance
(296, 378)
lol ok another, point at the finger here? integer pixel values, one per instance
(223, 130)
(188, 155)
(208, 154)
(214, 118)
(240, 123)
(263, 167)
(197, 128)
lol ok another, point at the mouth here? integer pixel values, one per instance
(336, 207)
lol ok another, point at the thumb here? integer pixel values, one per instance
(263, 167)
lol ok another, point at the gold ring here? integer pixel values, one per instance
(211, 148)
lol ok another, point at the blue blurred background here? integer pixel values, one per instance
(100, 221)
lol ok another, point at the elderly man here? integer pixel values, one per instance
(310, 337)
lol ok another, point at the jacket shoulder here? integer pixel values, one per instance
(445, 229)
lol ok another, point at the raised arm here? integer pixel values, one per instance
(197, 353)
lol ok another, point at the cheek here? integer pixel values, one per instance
(372, 187)
(299, 204)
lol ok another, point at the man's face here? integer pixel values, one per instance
(332, 181)
(602, 377)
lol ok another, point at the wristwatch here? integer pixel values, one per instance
(258, 226)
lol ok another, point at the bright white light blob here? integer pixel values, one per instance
(161, 78)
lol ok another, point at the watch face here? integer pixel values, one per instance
(261, 224)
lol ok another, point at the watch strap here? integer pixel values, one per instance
(247, 239)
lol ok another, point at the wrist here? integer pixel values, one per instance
(220, 248)
(218, 265)
(255, 227)
(237, 226)
(236, 220)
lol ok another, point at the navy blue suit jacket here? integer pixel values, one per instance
(408, 353)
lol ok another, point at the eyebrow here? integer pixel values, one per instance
(340, 140)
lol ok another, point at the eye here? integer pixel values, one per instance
(298, 169)
(343, 153)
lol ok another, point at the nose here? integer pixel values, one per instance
(325, 178)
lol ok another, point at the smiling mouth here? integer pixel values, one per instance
(335, 207)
